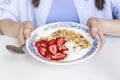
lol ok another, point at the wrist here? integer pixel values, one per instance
(106, 26)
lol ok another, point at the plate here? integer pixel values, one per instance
(74, 56)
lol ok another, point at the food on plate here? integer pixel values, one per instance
(54, 46)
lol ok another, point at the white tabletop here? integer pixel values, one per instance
(103, 66)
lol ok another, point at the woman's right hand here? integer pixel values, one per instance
(25, 30)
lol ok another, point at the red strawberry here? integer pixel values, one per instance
(52, 49)
(51, 42)
(59, 56)
(48, 55)
(43, 43)
(37, 44)
(60, 41)
(42, 50)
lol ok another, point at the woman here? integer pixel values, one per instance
(20, 17)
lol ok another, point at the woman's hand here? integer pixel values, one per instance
(25, 30)
(95, 26)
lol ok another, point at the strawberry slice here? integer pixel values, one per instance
(51, 42)
(48, 55)
(60, 41)
(42, 50)
(52, 49)
(37, 44)
(59, 56)
(43, 43)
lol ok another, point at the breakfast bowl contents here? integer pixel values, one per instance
(55, 46)
(62, 43)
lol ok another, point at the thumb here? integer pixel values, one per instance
(27, 31)
(93, 32)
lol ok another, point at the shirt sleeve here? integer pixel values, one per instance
(116, 8)
(9, 10)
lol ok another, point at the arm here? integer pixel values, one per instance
(111, 27)
(9, 27)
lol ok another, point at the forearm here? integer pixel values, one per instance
(111, 27)
(9, 27)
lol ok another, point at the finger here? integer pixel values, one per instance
(102, 40)
(93, 29)
(21, 37)
(93, 32)
(28, 29)
(27, 33)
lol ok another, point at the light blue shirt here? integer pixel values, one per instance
(23, 10)
(60, 12)
(4, 2)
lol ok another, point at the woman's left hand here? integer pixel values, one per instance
(95, 25)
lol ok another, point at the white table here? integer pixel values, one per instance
(103, 66)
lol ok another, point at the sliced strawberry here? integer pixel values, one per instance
(59, 56)
(52, 49)
(37, 44)
(48, 55)
(42, 50)
(51, 42)
(60, 41)
(43, 43)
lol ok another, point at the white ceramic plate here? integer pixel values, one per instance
(77, 57)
